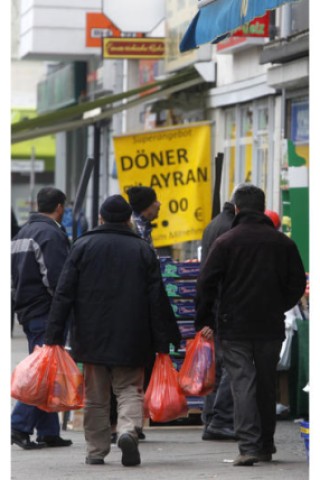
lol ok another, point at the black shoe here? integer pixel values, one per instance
(54, 441)
(219, 434)
(23, 440)
(94, 461)
(245, 460)
(140, 433)
(130, 452)
(265, 455)
(114, 438)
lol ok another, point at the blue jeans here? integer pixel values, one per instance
(26, 418)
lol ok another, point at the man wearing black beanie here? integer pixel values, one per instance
(145, 206)
(112, 282)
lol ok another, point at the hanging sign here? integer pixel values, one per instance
(176, 162)
(152, 48)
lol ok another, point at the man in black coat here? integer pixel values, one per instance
(217, 412)
(112, 282)
(256, 274)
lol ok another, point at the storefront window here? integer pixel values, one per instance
(230, 151)
(245, 160)
(247, 146)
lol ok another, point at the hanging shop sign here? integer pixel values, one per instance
(99, 26)
(176, 162)
(134, 48)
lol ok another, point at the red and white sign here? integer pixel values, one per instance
(254, 31)
(97, 27)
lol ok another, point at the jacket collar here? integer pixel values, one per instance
(119, 228)
(250, 216)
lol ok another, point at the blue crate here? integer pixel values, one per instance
(304, 433)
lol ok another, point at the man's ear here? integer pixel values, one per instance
(236, 209)
(100, 220)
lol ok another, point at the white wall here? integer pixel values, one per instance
(56, 29)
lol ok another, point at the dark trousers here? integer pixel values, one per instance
(252, 369)
(26, 418)
(218, 405)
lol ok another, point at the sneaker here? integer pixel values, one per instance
(245, 460)
(94, 461)
(54, 441)
(130, 452)
(23, 441)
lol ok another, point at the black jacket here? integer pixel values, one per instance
(256, 274)
(112, 281)
(218, 225)
(38, 253)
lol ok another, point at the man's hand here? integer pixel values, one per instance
(207, 333)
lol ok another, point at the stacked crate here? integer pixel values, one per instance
(180, 283)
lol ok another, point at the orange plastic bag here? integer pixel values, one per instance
(58, 381)
(29, 380)
(66, 383)
(198, 371)
(164, 401)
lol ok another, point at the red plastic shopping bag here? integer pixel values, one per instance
(58, 381)
(198, 370)
(164, 401)
(29, 380)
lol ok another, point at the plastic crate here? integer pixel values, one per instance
(304, 433)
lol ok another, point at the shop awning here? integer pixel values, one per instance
(216, 19)
(102, 108)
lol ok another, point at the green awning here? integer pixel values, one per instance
(73, 117)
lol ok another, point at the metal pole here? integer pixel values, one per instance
(96, 174)
(32, 179)
(84, 180)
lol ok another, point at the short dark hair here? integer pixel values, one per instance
(249, 197)
(48, 199)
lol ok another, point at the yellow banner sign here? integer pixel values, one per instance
(176, 162)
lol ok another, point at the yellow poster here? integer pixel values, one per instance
(176, 163)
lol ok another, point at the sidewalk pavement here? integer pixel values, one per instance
(168, 453)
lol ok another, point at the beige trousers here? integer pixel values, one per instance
(127, 385)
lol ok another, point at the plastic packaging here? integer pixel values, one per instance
(49, 379)
(198, 371)
(164, 401)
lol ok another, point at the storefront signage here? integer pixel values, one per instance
(24, 166)
(176, 162)
(133, 48)
(245, 36)
(259, 27)
(99, 26)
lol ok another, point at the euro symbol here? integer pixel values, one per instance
(198, 214)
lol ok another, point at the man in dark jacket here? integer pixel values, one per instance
(256, 274)
(145, 208)
(112, 282)
(38, 253)
(217, 413)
